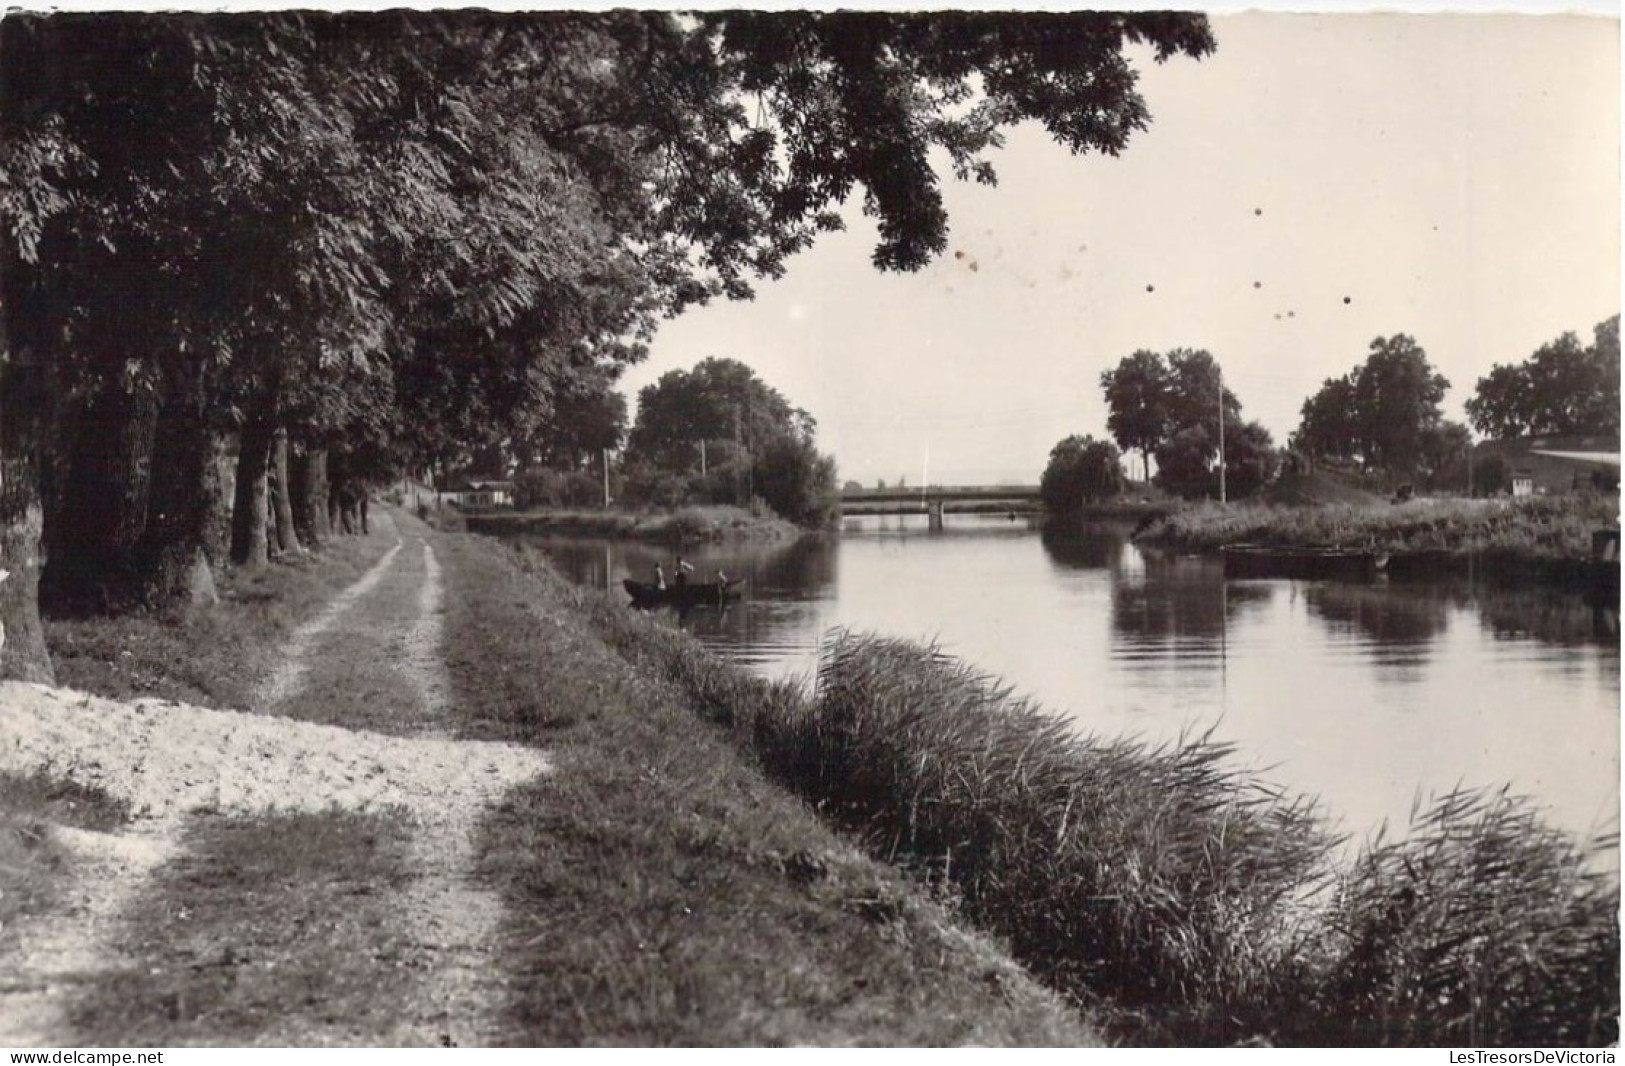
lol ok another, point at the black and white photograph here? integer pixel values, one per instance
(694, 526)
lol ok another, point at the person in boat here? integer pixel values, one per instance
(680, 572)
(660, 577)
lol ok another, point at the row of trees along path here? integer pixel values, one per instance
(373, 241)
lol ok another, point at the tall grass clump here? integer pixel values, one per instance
(1154, 874)
(1483, 927)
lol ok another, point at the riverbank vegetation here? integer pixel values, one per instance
(1081, 472)
(1172, 898)
(1564, 389)
(1515, 537)
(1179, 899)
(1170, 407)
(685, 525)
(1379, 426)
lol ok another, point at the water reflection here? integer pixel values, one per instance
(1181, 598)
(796, 569)
(1547, 615)
(1095, 546)
(1377, 614)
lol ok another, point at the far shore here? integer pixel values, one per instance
(1557, 541)
(693, 524)
(1545, 540)
(684, 525)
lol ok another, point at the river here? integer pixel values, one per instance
(1365, 695)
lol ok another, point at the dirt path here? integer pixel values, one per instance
(47, 958)
(355, 717)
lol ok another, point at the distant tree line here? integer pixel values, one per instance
(1081, 471)
(1384, 414)
(1382, 417)
(719, 434)
(1563, 389)
(1169, 407)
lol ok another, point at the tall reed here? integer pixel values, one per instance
(1484, 926)
(1153, 873)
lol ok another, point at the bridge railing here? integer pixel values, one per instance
(950, 493)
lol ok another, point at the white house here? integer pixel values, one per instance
(475, 495)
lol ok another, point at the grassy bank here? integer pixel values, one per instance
(1553, 528)
(685, 526)
(212, 658)
(658, 889)
(1548, 538)
(1182, 901)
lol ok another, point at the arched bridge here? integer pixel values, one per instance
(938, 500)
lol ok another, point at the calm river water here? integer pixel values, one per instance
(1362, 694)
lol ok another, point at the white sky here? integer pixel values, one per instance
(1453, 177)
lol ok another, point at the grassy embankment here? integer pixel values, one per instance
(683, 526)
(659, 889)
(1543, 538)
(1179, 899)
(213, 658)
(656, 888)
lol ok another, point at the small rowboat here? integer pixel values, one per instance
(1307, 564)
(693, 594)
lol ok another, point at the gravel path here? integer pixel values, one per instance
(169, 759)
(378, 644)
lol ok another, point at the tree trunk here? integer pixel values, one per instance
(338, 491)
(101, 502)
(287, 538)
(28, 418)
(299, 497)
(187, 523)
(23, 656)
(248, 513)
(308, 478)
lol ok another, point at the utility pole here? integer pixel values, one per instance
(739, 451)
(1221, 433)
(606, 479)
(750, 456)
(702, 458)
